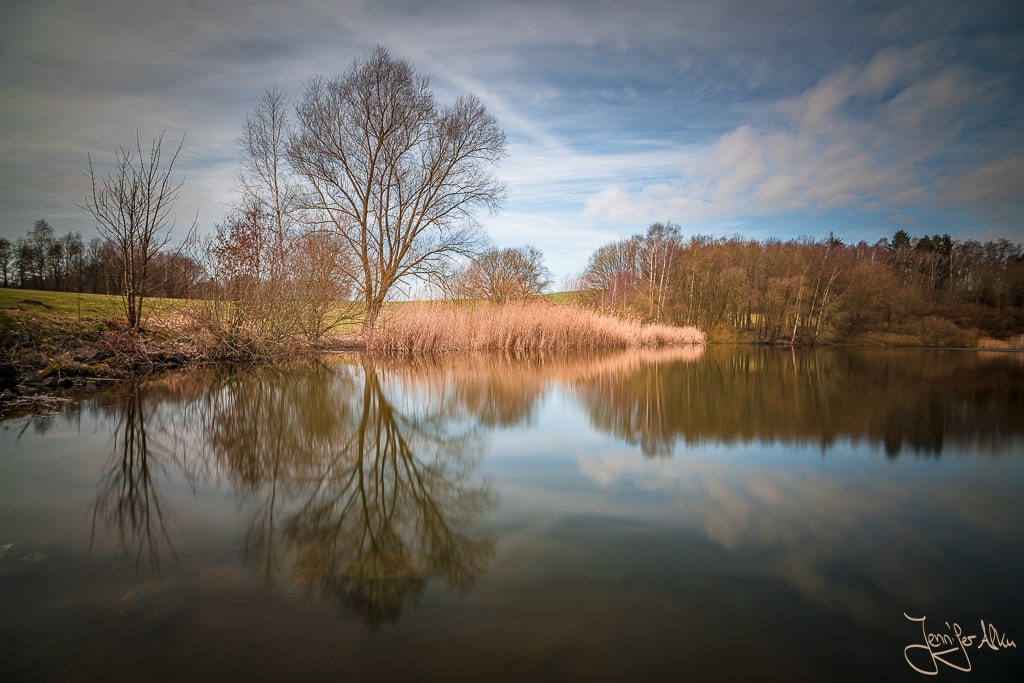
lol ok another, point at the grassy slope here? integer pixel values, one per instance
(53, 313)
(66, 308)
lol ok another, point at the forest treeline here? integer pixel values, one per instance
(43, 259)
(930, 289)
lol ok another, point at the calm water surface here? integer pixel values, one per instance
(726, 514)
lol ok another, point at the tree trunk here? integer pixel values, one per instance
(373, 307)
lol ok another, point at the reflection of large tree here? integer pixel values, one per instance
(127, 501)
(268, 430)
(367, 492)
(393, 514)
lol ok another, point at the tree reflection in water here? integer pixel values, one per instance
(364, 496)
(127, 500)
(394, 514)
(919, 401)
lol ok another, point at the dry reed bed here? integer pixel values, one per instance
(516, 328)
(999, 344)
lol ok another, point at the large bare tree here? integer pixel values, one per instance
(397, 176)
(132, 207)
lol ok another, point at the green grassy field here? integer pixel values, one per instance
(565, 297)
(68, 312)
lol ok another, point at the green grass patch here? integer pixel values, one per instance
(59, 304)
(52, 313)
(571, 298)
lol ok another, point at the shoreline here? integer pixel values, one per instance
(38, 377)
(56, 347)
(44, 373)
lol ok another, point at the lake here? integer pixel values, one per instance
(727, 513)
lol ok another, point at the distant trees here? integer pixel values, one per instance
(72, 265)
(41, 245)
(612, 272)
(132, 208)
(807, 291)
(637, 272)
(501, 275)
(6, 259)
(396, 176)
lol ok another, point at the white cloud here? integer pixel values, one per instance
(994, 185)
(870, 138)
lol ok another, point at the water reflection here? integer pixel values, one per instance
(505, 390)
(356, 493)
(362, 482)
(128, 503)
(355, 476)
(392, 511)
(917, 400)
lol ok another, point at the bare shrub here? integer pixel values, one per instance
(315, 261)
(501, 275)
(250, 311)
(935, 331)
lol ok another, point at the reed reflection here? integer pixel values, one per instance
(502, 390)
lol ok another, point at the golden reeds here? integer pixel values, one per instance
(999, 344)
(515, 327)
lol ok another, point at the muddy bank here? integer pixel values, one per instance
(37, 374)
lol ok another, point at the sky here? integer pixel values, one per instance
(780, 118)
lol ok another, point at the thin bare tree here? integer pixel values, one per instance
(302, 260)
(265, 174)
(396, 175)
(132, 207)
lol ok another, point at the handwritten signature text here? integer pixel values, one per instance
(951, 646)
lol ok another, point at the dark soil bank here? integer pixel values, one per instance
(33, 372)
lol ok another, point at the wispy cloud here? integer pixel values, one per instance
(898, 131)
